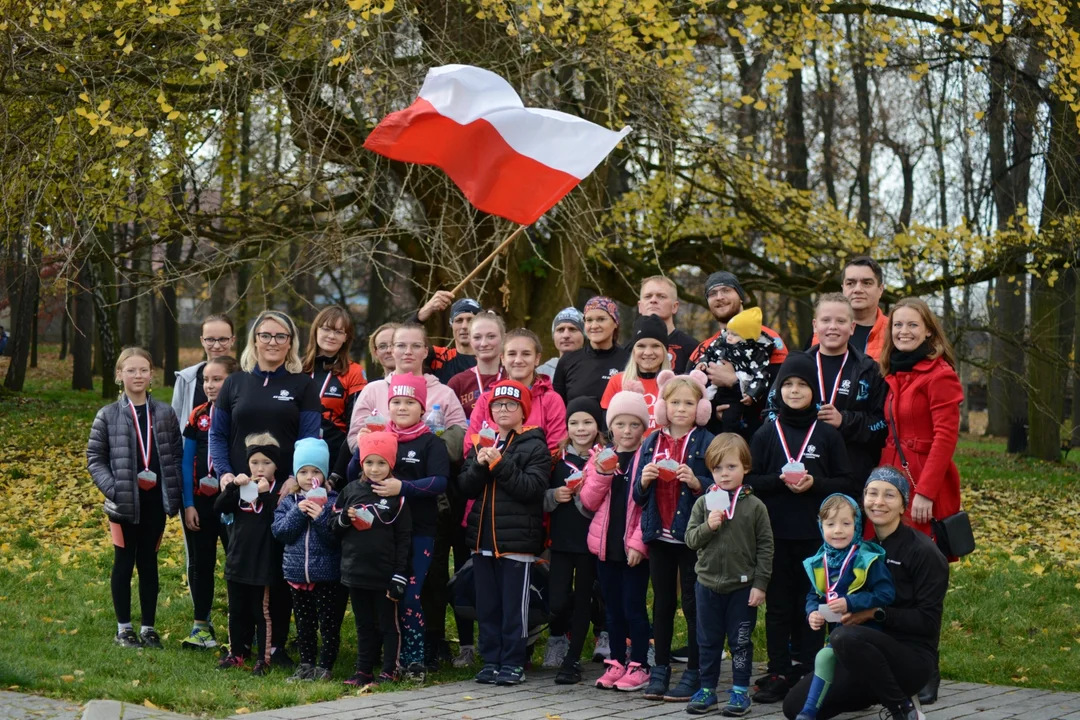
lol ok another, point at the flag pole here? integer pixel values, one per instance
(484, 263)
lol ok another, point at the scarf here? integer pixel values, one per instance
(795, 418)
(900, 361)
(836, 556)
(405, 435)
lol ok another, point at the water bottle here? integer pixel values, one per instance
(436, 420)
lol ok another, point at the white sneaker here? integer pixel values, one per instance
(557, 647)
(602, 651)
(466, 657)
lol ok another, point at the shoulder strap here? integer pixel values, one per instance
(891, 418)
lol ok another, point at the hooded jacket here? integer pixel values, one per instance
(596, 496)
(694, 458)
(375, 397)
(548, 413)
(112, 458)
(312, 552)
(371, 558)
(508, 515)
(183, 395)
(866, 582)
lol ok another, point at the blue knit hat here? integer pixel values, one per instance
(313, 452)
(889, 474)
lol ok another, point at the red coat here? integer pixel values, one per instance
(925, 405)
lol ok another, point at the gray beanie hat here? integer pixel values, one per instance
(569, 315)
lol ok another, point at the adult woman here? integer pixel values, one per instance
(486, 333)
(887, 667)
(410, 349)
(217, 337)
(922, 410)
(338, 378)
(588, 370)
(649, 355)
(520, 358)
(381, 348)
(273, 396)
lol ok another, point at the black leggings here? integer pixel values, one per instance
(570, 591)
(786, 631)
(249, 616)
(319, 611)
(135, 545)
(871, 667)
(201, 548)
(376, 626)
(671, 568)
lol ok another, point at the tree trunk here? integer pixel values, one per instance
(861, 77)
(1075, 440)
(1044, 373)
(34, 330)
(82, 333)
(27, 260)
(65, 322)
(170, 317)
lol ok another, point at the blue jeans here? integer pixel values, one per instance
(624, 589)
(721, 616)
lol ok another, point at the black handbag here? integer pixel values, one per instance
(953, 534)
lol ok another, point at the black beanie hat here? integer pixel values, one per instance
(723, 278)
(586, 404)
(800, 365)
(649, 326)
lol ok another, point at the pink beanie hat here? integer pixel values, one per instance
(383, 444)
(628, 402)
(704, 406)
(410, 386)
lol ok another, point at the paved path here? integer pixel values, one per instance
(16, 706)
(541, 699)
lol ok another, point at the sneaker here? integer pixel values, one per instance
(359, 679)
(230, 661)
(151, 639)
(688, 685)
(806, 716)
(569, 673)
(416, 672)
(127, 638)
(261, 668)
(738, 704)
(636, 678)
(602, 651)
(614, 673)
(280, 659)
(304, 671)
(510, 676)
(659, 681)
(704, 701)
(466, 656)
(320, 674)
(773, 690)
(384, 678)
(557, 647)
(200, 639)
(681, 655)
(906, 711)
(488, 674)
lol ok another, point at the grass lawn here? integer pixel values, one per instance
(1011, 614)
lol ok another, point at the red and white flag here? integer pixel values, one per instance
(509, 160)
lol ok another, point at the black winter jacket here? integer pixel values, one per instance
(508, 515)
(568, 522)
(112, 457)
(255, 556)
(371, 558)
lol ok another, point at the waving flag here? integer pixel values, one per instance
(509, 160)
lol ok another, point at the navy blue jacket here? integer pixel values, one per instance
(646, 498)
(312, 552)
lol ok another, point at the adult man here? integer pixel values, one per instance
(568, 334)
(446, 362)
(726, 297)
(659, 296)
(852, 389)
(863, 284)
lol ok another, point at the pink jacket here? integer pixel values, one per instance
(548, 412)
(596, 496)
(375, 397)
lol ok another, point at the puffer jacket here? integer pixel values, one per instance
(596, 496)
(112, 458)
(548, 412)
(312, 552)
(509, 497)
(646, 497)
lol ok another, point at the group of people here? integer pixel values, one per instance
(732, 473)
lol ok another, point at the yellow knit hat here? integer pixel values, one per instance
(746, 324)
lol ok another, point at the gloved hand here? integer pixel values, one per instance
(396, 590)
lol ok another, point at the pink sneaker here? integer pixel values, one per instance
(614, 673)
(636, 678)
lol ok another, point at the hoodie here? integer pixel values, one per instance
(375, 397)
(184, 390)
(548, 413)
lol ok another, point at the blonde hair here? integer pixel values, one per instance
(939, 344)
(263, 438)
(631, 371)
(661, 279)
(372, 338)
(489, 316)
(834, 297)
(681, 381)
(726, 444)
(125, 355)
(292, 358)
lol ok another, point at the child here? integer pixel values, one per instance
(505, 529)
(375, 541)
(848, 575)
(573, 568)
(421, 471)
(253, 555)
(202, 524)
(615, 540)
(134, 459)
(817, 466)
(729, 528)
(678, 452)
(747, 348)
(312, 561)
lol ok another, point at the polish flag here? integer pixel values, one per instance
(509, 160)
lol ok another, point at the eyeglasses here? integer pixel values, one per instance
(216, 341)
(402, 347)
(383, 347)
(505, 405)
(137, 372)
(278, 338)
(332, 331)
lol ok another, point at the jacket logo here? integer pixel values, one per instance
(811, 452)
(382, 504)
(411, 457)
(845, 388)
(611, 373)
(283, 395)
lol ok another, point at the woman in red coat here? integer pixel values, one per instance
(922, 410)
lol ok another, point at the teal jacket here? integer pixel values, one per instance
(866, 583)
